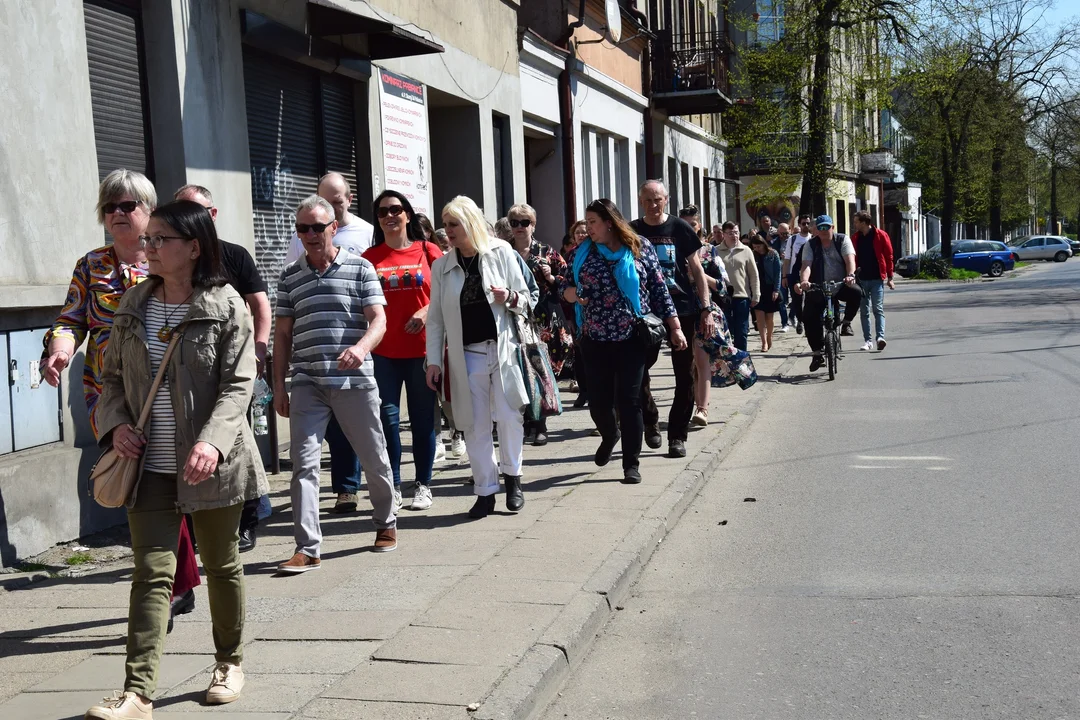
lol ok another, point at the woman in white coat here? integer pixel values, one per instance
(471, 349)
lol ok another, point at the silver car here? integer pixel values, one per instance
(1041, 247)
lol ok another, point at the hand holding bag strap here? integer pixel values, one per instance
(145, 414)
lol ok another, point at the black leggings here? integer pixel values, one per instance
(615, 370)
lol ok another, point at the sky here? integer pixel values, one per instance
(1062, 11)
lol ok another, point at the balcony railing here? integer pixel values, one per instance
(779, 151)
(690, 73)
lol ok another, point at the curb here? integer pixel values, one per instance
(531, 684)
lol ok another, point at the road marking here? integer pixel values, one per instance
(893, 458)
(937, 468)
(875, 467)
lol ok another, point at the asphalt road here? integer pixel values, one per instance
(912, 550)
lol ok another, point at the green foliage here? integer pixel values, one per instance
(80, 558)
(933, 267)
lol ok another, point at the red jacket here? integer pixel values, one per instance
(883, 249)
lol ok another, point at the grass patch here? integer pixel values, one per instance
(1020, 264)
(80, 558)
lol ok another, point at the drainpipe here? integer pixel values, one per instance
(566, 120)
(647, 113)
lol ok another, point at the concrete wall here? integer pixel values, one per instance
(48, 164)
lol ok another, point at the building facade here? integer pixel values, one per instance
(611, 99)
(254, 99)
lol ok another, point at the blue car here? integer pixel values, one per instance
(987, 257)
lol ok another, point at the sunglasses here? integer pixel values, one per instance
(304, 228)
(824, 227)
(520, 223)
(156, 241)
(128, 206)
(394, 210)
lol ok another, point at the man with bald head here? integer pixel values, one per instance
(354, 234)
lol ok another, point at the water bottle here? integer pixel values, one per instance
(260, 397)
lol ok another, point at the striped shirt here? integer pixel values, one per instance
(327, 309)
(161, 445)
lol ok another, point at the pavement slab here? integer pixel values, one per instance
(463, 612)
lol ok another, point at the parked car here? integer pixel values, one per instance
(1073, 244)
(988, 257)
(1042, 247)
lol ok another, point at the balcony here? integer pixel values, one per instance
(780, 152)
(690, 73)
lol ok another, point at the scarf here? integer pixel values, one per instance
(624, 270)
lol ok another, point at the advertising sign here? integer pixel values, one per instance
(406, 154)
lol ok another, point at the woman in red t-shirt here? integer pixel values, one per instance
(402, 260)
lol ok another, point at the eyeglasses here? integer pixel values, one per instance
(128, 206)
(304, 228)
(156, 241)
(394, 210)
(520, 223)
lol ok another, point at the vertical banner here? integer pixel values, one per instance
(406, 154)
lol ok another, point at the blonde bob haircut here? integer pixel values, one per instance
(522, 210)
(123, 182)
(472, 221)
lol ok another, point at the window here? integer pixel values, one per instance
(770, 23)
(1035, 242)
(504, 179)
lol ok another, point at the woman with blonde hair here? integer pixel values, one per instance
(616, 279)
(471, 349)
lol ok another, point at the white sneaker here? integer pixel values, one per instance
(440, 450)
(700, 418)
(782, 329)
(422, 499)
(397, 500)
(226, 684)
(121, 706)
(867, 345)
(457, 447)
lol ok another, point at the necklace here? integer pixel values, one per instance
(469, 264)
(166, 332)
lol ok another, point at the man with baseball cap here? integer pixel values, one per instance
(828, 256)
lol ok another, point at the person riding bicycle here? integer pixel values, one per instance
(828, 256)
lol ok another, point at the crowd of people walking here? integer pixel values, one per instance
(476, 322)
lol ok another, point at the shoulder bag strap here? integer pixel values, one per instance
(145, 415)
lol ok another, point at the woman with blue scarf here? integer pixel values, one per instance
(616, 279)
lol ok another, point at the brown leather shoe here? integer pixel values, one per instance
(299, 563)
(386, 540)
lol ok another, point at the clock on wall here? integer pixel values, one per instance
(614, 20)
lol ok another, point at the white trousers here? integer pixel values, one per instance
(489, 405)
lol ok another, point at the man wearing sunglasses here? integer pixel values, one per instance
(330, 316)
(355, 235)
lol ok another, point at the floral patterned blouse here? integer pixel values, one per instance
(98, 283)
(607, 317)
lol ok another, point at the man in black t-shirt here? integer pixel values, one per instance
(243, 275)
(677, 247)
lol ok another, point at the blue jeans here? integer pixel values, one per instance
(873, 293)
(344, 465)
(783, 305)
(391, 374)
(738, 317)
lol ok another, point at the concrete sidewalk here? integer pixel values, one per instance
(489, 614)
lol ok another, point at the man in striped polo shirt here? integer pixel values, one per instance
(329, 318)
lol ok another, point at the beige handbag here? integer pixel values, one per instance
(113, 477)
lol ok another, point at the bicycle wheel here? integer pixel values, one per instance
(830, 353)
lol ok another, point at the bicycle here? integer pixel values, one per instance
(829, 323)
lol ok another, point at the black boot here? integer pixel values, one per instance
(247, 539)
(181, 606)
(515, 500)
(484, 506)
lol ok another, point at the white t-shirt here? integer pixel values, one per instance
(792, 248)
(835, 270)
(355, 237)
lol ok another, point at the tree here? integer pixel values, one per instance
(967, 51)
(786, 89)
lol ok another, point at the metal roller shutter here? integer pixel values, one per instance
(117, 87)
(284, 157)
(339, 130)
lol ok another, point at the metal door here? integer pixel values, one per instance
(5, 399)
(35, 405)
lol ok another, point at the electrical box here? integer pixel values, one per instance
(32, 405)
